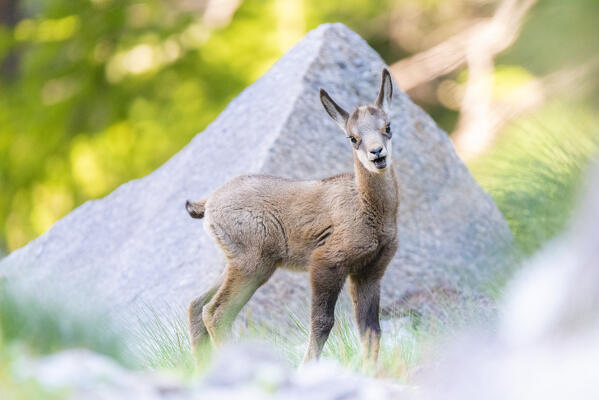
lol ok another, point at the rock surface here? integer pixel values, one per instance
(138, 246)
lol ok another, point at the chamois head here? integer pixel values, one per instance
(368, 127)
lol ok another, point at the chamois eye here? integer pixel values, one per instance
(388, 129)
(353, 139)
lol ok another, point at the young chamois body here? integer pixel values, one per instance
(334, 228)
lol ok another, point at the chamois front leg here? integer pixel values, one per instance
(366, 297)
(365, 290)
(326, 282)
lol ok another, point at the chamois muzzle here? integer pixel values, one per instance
(377, 151)
(378, 156)
(380, 162)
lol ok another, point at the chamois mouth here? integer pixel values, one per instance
(380, 163)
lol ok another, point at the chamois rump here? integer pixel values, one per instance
(334, 228)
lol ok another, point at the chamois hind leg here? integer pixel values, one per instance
(197, 329)
(326, 284)
(241, 281)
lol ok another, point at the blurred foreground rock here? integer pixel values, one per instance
(239, 372)
(547, 345)
(138, 246)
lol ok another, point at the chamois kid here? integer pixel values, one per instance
(334, 228)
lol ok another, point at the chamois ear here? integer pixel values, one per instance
(338, 114)
(383, 101)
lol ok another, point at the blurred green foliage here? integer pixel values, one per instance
(536, 171)
(104, 91)
(557, 34)
(46, 326)
(31, 328)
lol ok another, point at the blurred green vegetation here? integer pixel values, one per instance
(556, 34)
(106, 92)
(536, 170)
(42, 327)
(30, 328)
(94, 93)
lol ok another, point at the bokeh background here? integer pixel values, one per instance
(94, 93)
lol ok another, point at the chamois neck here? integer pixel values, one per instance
(378, 191)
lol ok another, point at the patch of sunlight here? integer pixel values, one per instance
(143, 58)
(291, 26)
(218, 13)
(49, 204)
(86, 168)
(171, 50)
(135, 61)
(57, 90)
(25, 30)
(194, 35)
(47, 30)
(139, 59)
(507, 78)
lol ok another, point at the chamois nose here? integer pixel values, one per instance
(377, 151)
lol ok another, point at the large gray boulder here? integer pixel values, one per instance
(138, 246)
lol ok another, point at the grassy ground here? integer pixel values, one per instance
(533, 173)
(29, 328)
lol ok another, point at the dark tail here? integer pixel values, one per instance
(196, 209)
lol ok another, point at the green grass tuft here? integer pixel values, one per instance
(162, 342)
